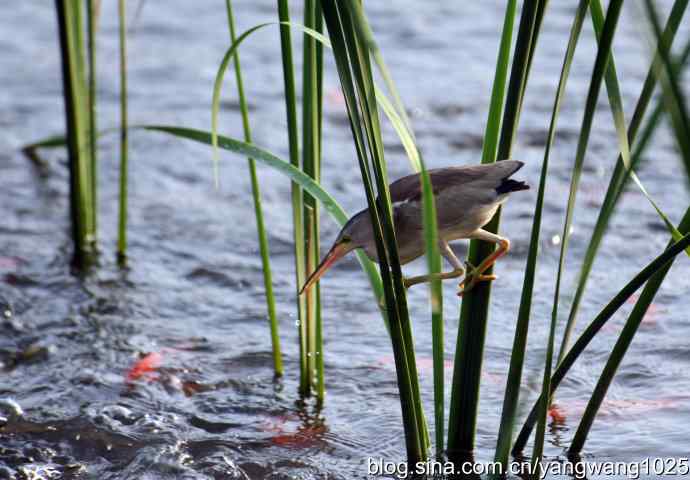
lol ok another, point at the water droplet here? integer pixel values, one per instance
(297, 323)
(556, 240)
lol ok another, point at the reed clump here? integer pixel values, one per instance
(359, 62)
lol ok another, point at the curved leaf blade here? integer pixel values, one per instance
(270, 160)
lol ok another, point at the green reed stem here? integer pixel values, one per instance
(620, 176)
(367, 92)
(77, 121)
(311, 164)
(352, 61)
(258, 212)
(122, 223)
(475, 304)
(600, 65)
(431, 239)
(493, 126)
(675, 104)
(546, 379)
(593, 328)
(624, 169)
(92, 18)
(672, 93)
(493, 121)
(310, 167)
(510, 402)
(318, 347)
(296, 195)
(621, 347)
(395, 111)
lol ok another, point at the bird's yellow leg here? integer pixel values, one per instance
(476, 274)
(408, 282)
(457, 271)
(473, 280)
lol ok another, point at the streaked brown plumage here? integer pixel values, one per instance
(466, 199)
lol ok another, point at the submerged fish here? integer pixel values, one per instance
(145, 367)
(292, 432)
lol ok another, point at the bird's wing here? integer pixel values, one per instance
(488, 176)
(409, 188)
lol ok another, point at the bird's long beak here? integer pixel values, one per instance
(337, 251)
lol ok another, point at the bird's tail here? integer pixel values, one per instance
(508, 185)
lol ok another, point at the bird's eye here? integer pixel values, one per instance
(345, 239)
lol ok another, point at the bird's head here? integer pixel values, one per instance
(353, 235)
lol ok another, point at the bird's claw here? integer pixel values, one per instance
(471, 279)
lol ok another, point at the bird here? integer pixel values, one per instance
(466, 198)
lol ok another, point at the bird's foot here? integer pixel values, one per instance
(409, 281)
(471, 279)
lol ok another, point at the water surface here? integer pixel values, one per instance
(192, 293)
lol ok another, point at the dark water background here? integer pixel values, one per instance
(193, 289)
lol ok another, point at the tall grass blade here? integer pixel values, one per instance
(92, 10)
(676, 107)
(367, 94)
(674, 98)
(77, 121)
(319, 353)
(475, 304)
(294, 174)
(258, 211)
(398, 117)
(621, 347)
(593, 328)
(402, 124)
(436, 298)
(620, 177)
(403, 131)
(512, 392)
(352, 62)
(615, 102)
(311, 165)
(433, 262)
(122, 219)
(433, 256)
(218, 84)
(493, 122)
(600, 65)
(53, 141)
(296, 194)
